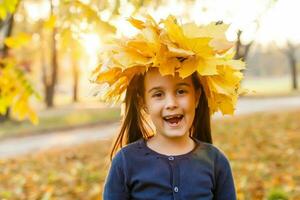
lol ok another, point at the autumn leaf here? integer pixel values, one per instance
(214, 31)
(168, 66)
(16, 91)
(50, 22)
(17, 41)
(109, 76)
(7, 7)
(189, 66)
(130, 58)
(172, 47)
(136, 23)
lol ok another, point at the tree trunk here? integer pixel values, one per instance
(290, 52)
(242, 50)
(293, 65)
(45, 78)
(50, 86)
(7, 25)
(76, 80)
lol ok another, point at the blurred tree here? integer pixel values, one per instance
(146, 3)
(77, 19)
(70, 46)
(290, 52)
(50, 83)
(6, 14)
(242, 49)
(6, 27)
(15, 89)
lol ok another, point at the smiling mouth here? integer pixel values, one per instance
(173, 119)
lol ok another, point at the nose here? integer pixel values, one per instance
(171, 102)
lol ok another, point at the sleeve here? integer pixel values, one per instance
(225, 189)
(115, 187)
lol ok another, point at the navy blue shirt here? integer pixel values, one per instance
(138, 172)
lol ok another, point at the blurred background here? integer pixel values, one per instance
(55, 133)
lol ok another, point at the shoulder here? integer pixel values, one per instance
(221, 170)
(216, 157)
(216, 154)
(128, 151)
(128, 157)
(132, 148)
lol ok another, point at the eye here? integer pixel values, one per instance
(157, 94)
(181, 91)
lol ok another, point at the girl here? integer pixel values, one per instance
(172, 83)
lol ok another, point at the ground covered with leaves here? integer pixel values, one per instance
(263, 149)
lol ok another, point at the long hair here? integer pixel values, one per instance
(135, 125)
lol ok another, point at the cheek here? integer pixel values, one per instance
(154, 108)
(155, 111)
(189, 103)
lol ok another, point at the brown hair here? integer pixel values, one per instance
(134, 125)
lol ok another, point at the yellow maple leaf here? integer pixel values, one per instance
(18, 40)
(172, 47)
(178, 52)
(136, 23)
(117, 88)
(207, 67)
(221, 46)
(108, 76)
(200, 46)
(214, 31)
(188, 66)
(168, 66)
(50, 22)
(33, 117)
(226, 104)
(130, 72)
(126, 57)
(141, 47)
(174, 31)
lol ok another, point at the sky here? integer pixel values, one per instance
(277, 22)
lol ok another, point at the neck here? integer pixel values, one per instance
(171, 146)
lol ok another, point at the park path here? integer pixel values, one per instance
(12, 147)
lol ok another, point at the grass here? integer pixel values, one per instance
(60, 120)
(270, 86)
(263, 149)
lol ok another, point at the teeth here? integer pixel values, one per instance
(171, 116)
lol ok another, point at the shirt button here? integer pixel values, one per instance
(175, 189)
(171, 158)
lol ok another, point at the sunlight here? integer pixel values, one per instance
(92, 44)
(36, 11)
(202, 12)
(277, 24)
(281, 23)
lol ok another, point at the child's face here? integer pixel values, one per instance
(170, 102)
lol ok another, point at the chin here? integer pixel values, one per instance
(174, 134)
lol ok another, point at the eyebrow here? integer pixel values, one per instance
(178, 84)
